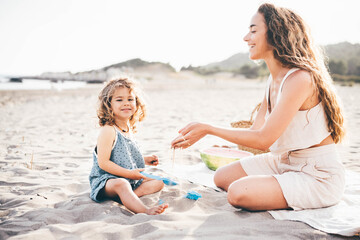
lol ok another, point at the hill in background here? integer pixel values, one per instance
(138, 63)
(343, 62)
(232, 63)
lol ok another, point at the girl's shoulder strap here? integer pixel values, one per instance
(117, 133)
(116, 129)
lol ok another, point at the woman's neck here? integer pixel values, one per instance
(276, 69)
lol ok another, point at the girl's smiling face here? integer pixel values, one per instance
(123, 103)
(257, 40)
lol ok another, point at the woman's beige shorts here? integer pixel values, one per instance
(309, 178)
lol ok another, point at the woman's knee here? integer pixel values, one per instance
(238, 195)
(220, 178)
(227, 174)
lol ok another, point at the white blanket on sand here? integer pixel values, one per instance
(342, 219)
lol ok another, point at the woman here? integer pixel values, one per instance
(300, 120)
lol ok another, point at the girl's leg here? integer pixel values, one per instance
(256, 193)
(226, 175)
(149, 187)
(121, 188)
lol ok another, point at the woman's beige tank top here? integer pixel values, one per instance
(307, 128)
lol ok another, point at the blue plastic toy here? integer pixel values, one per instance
(193, 195)
(167, 181)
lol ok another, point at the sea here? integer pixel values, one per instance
(35, 84)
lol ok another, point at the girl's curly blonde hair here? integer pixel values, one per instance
(292, 45)
(104, 111)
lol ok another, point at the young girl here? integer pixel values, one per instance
(117, 159)
(299, 119)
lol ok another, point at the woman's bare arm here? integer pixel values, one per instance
(296, 90)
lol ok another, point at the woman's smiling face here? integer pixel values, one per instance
(256, 38)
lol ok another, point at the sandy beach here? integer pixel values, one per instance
(46, 143)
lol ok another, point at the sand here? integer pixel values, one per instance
(46, 141)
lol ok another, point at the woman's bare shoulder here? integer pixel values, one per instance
(300, 79)
(302, 76)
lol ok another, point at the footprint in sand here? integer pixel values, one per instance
(71, 165)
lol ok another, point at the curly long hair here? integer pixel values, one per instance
(104, 111)
(293, 47)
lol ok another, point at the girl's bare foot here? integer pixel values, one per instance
(157, 210)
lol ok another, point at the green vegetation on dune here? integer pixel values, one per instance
(343, 61)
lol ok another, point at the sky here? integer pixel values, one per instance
(79, 35)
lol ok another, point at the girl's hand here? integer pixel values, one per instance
(152, 160)
(136, 175)
(190, 134)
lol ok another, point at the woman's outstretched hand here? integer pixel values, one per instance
(190, 134)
